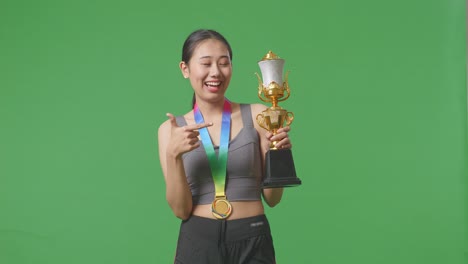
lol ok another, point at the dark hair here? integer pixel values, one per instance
(196, 38)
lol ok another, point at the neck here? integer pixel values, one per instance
(209, 109)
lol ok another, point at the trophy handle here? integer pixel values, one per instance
(289, 118)
(286, 87)
(261, 121)
(260, 89)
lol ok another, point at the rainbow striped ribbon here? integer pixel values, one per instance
(218, 164)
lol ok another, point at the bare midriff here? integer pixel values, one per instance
(240, 209)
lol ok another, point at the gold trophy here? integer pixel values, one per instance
(279, 163)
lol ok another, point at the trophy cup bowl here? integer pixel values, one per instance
(279, 164)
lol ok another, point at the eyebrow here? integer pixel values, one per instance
(209, 57)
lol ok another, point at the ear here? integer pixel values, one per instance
(184, 69)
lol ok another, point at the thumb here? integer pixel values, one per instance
(172, 119)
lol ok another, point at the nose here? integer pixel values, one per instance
(214, 71)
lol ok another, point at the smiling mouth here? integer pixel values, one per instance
(213, 84)
(213, 87)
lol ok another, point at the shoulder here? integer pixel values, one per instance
(165, 127)
(164, 130)
(253, 107)
(257, 108)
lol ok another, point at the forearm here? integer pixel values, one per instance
(178, 193)
(272, 196)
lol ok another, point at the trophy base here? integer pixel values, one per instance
(279, 169)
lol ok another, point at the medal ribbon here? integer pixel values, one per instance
(217, 164)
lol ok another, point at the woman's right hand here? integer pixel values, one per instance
(183, 139)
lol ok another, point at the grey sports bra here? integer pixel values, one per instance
(243, 166)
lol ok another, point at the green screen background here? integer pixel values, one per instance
(378, 91)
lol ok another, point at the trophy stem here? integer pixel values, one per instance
(273, 143)
(274, 101)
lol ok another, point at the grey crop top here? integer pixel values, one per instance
(243, 166)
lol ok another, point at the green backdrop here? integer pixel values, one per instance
(380, 142)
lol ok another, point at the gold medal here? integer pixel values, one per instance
(221, 207)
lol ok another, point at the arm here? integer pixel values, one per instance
(173, 142)
(272, 196)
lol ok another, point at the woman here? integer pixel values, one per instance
(212, 160)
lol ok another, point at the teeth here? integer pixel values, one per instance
(213, 83)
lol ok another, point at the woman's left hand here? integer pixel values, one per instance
(281, 138)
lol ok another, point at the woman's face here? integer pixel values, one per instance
(209, 70)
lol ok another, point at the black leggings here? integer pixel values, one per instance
(210, 241)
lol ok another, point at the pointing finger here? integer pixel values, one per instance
(197, 126)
